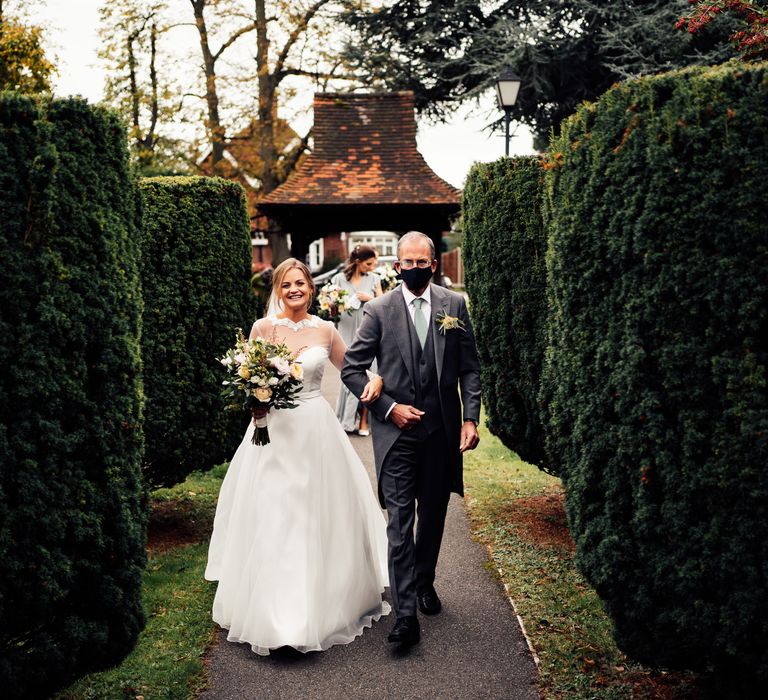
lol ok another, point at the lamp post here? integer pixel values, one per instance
(507, 87)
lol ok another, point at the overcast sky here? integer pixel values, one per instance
(450, 149)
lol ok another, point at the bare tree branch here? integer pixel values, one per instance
(317, 75)
(294, 36)
(232, 39)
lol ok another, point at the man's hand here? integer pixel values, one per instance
(405, 417)
(469, 436)
(372, 389)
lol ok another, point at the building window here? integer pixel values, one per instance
(385, 242)
(316, 256)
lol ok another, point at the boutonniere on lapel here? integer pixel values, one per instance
(448, 323)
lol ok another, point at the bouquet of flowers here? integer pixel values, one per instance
(261, 374)
(388, 276)
(332, 301)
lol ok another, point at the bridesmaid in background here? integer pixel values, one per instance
(363, 284)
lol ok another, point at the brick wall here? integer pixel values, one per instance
(453, 266)
(261, 257)
(334, 248)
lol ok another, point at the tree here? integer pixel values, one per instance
(639, 38)
(252, 66)
(566, 51)
(72, 548)
(502, 220)
(192, 225)
(751, 39)
(251, 63)
(24, 65)
(654, 389)
(214, 127)
(288, 38)
(146, 96)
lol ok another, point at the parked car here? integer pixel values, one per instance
(324, 277)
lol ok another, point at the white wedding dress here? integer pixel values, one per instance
(299, 544)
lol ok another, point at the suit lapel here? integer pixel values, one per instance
(399, 320)
(440, 307)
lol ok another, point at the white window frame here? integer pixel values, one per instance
(316, 254)
(385, 242)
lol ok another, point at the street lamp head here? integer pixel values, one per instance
(507, 87)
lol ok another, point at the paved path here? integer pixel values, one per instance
(473, 649)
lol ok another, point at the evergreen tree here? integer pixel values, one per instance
(751, 37)
(71, 496)
(654, 386)
(565, 51)
(639, 37)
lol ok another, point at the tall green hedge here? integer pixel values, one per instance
(196, 258)
(655, 381)
(71, 522)
(504, 250)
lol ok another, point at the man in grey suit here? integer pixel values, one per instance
(421, 336)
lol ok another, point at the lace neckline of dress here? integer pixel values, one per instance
(311, 322)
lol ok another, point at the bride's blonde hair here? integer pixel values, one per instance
(275, 303)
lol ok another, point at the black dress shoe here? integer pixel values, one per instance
(428, 601)
(406, 631)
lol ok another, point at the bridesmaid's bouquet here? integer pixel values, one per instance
(332, 301)
(261, 374)
(388, 276)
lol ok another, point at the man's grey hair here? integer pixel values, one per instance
(413, 236)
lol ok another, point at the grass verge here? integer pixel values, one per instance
(516, 511)
(167, 662)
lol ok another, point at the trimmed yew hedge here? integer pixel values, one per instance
(504, 250)
(196, 258)
(655, 381)
(71, 522)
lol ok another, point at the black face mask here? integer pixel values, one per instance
(416, 278)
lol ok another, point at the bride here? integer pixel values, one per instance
(299, 543)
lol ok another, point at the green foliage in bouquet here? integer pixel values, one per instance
(196, 258)
(504, 249)
(655, 381)
(71, 517)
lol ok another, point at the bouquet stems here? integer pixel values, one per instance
(261, 432)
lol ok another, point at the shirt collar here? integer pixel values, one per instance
(409, 296)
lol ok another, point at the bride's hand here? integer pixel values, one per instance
(372, 390)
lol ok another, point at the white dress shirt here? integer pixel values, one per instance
(426, 307)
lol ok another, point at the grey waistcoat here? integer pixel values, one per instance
(427, 389)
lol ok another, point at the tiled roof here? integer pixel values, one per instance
(364, 153)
